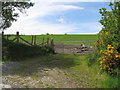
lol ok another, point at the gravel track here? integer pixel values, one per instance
(17, 75)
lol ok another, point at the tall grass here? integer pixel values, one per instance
(105, 80)
(109, 82)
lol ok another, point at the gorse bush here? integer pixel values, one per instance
(14, 51)
(110, 33)
(110, 60)
(108, 43)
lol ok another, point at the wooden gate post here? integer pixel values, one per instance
(17, 37)
(32, 39)
(47, 41)
(52, 43)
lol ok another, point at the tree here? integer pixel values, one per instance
(8, 14)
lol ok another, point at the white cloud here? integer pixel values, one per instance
(43, 9)
(31, 25)
(73, 0)
(81, 0)
(65, 7)
(93, 27)
(34, 27)
(61, 20)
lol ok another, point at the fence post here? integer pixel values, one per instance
(52, 43)
(43, 42)
(32, 39)
(47, 41)
(17, 37)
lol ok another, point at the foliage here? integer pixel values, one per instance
(108, 42)
(8, 12)
(110, 33)
(110, 60)
(16, 51)
(91, 58)
(109, 82)
(47, 33)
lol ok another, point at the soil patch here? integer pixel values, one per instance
(72, 49)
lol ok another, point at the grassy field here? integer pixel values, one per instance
(66, 39)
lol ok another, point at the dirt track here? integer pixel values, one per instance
(43, 73)
(36, 76)
(72, 49)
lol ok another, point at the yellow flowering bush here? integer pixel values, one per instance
(98, 43)
(110, 59)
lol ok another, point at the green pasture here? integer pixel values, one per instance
(65, 39)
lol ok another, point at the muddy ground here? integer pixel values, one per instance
(72, 49)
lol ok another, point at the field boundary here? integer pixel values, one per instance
(17, 38)
(63, 47)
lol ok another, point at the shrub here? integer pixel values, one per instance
(110, 33)
(110, 60)
(108, 42)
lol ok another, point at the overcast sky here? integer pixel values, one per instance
(59, 17)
